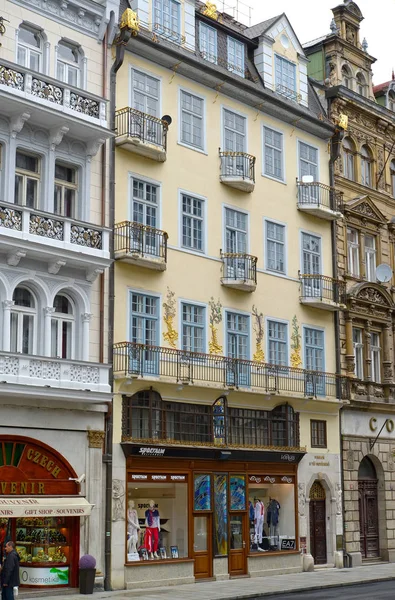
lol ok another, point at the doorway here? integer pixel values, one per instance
(318, 523)
(368, 509)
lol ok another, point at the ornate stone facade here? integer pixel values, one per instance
(95, 438)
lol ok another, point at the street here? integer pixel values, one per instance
(371, 591)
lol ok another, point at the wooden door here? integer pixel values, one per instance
(368, 518)
(238, 543)
(318, 531)
(202, 546)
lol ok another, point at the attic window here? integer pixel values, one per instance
(361, 84)
(285, 77)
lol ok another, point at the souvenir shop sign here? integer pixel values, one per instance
(271, 479)
(45, 507)
(156, 478)
(29, 468)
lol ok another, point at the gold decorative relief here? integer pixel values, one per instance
(130, 20)
(95, 438)
(210, 10)
(296, 358)
(171, 335)
(215, 319)
(259, 354)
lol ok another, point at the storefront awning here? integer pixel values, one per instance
(45, 507)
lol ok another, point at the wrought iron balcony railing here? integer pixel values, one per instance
(135, 238)
(288, 93)
(322, 288)
(238, 266)
(319, 195)
(237, 164)
(132, 123)
(131, 359)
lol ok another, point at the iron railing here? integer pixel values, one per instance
(238, 266)
(136, 124)
(322, 288)
(237, 164)
(132, 359)
(135, 238)
(288, 93)
(319, 195)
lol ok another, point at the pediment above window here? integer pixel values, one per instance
(370, 294)
(365, 209)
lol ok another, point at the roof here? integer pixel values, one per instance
(381, 87)
(260, 28)
(314, 42)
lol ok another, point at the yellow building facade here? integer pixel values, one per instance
(226, 405)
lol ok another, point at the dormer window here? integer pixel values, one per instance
(235, 56)
(285, 77)
(346, 77)
(361, 84)
(167, 18)
(208, 42)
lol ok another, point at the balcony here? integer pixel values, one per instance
(239, 271)
(288, 93)
(133, 360)
(320, 200)
(238, 170)
(54, 379)
(322, 292)
(141, 133)
(369, 391)
(49, 103)
(140, 245)
(54, 239)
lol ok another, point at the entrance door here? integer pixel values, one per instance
(238, 541)
(318, 524)
(202, 546)
(368, 509)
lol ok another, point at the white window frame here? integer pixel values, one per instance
(204, 45)
(181, 193)
(25, 174)
(300, 141)
(370, 258)
(241, 313)
(59, 319)
(285, 248)
(282, 151)
(287, 344)
(65, 185)
(358, 352)
(367, 169)
(375, 355)
(202, 148)
(145, 71)
(78, 66)
(349, 162)
(21, 311)
(161, 28)
(203, 327)
(225, 208)
(353, 253)
(144, 292)
(322, 330)
(278, 57)
(238, 69)
(239, 114)
(29, 49)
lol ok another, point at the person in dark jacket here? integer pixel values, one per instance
(9, 572)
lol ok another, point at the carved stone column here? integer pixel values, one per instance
(7, 305)
(94, 492)
(368, 356)
(48, 312)
(350, 359)
(86, 319)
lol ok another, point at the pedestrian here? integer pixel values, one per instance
(9, 572)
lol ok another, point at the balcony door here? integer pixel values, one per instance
(234, 142)
(145, 98)
(314, 361)
(311, 265)
(237, 343)
(308, 166)
(144, 215)
(144, 331)
(235, 243)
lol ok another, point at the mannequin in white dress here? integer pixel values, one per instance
(133, 528)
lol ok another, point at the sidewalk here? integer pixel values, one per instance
(238, 589)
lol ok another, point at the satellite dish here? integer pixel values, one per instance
(383, 273)
(307, 179)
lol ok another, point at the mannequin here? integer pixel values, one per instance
(273, 516)
(259, 517)
(152, 524)
(133, 528)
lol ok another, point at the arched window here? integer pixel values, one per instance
(366, 166)
(68, 68)
(347, 76)
(349, 159)
(23, 321)
(361, 84)
(62, 328)
(30, 48)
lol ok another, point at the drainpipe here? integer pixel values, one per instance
(120, 43)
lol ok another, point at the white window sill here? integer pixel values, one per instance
(200, 150)
(274, 178)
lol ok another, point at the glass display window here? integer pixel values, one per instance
(271, 513)
(42, 541)
(157, 517)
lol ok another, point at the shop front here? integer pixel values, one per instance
(197, 513)
(40, 509)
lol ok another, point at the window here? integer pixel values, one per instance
(353, 252)
(311, 254)
(193, 327)
(23, 321)
(370, 257)
(144, 319)
(275, 247)
(145, 198)
(347, 76)
(68, 68)
(349, 159)
(62, 325)
(234, 132)
(192, 123)
(192, 223)
(318, 434)
(391, 100)
(375, 355)
(308, 161)
(30, 51)
(366, 166)
(358, 351)
(237, 328)
(208, 42)
(277, 343)
(235, 56)
(145, 93)
(66, 188)
(392, 171)
(27, 179)
(314, 349)
(273, 153)
(285, 73)
(235, 231)
(167, 18)
(361, 84)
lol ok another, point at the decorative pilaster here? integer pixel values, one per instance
(387, 345)
(169, 312)
(7, 305)
(95, 438)
(215, 318)
(350, 358)
(86, 319)
(259, 354)
(368, 356)
(48, 312)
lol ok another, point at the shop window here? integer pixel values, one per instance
(318, 434)
(30, 48)
(62, 326)
(27, 179)
(68, 67)
(23, 322)
(66, 190)
(349, 159)
(271, 508)
(366, 166)
(157, 517)
(45, 542)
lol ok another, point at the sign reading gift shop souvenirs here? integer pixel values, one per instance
(45, 528)
(202, 504)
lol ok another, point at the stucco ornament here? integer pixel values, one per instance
(338, 499)
(296, 359)
(259, 355)
(301, 499)
(171, 335)
(215, 319)
(210, 10)
(129, 20)
(118, 500)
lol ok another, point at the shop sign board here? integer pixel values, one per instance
(44, 576)
(148, 477)
(288, 544)
(368, 424)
